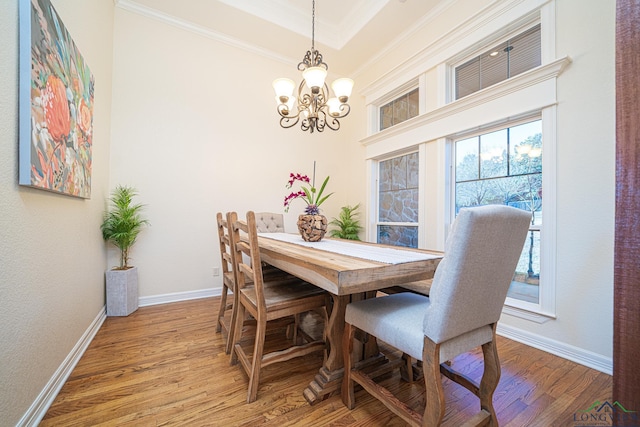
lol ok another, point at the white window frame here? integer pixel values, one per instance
(374, 221)
(487, 44)
(545, 308)
(374, 109)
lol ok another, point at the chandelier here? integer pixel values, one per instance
(312, 104)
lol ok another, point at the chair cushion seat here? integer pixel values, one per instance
(397, 320)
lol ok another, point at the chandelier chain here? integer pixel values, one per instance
(313, 24)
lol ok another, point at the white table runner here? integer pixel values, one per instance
(371, 253)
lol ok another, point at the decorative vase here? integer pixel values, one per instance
(312, 228)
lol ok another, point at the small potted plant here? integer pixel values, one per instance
(348, 224)
(311, 225)
(121, 225)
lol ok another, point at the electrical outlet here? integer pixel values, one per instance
(216, 271)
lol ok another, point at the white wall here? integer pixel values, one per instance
(195, 130)
(586, 179)
(52, 257)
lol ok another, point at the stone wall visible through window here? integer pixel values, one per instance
(398, 201)
(399, 110)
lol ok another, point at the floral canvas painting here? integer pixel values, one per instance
(56, 104)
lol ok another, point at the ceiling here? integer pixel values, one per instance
(336, 21)
(347, 32)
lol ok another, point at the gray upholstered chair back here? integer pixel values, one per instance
(268, 222)
(471, 282)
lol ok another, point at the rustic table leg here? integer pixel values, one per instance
(328, 381)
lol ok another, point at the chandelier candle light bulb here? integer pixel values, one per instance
(316, 109)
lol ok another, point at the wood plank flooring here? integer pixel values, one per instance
(165, 365)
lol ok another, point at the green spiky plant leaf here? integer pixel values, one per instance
(348, 224)
(122, 222)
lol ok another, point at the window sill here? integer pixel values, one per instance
(532, 314)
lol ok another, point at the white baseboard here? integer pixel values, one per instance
(566, 351)
(40, 406)
(179, 296)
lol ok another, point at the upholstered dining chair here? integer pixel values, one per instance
(269, 222)
(281, 299)
(461, 312)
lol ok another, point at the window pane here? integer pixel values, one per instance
(398, 189)
(513, 180)
(468, 78)
(412, 99)
(526, 280)
(400, 109)
(525, 52)
(493, 152)
(472, 193)
(494, 66)
(398, 235)
(467, 165)
(526, 148)
(386, 116)
(508, 59)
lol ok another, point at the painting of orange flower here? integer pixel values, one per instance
(56, 104)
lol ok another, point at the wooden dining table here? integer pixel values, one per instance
(348, 270)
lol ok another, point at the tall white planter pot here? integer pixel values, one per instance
(122, 292)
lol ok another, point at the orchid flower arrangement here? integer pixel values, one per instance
(312, 197)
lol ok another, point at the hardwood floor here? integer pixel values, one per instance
(165, 365)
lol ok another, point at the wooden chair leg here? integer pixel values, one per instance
(237, 322)
(434, 392)
(221, 310)
(406, 368)
(490, 378)
(231, 334)
(348, 397)
(258, 348)
(296, 338)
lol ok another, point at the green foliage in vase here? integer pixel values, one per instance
(348, 224)
(122, 222)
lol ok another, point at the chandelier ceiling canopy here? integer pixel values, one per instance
(312, 104)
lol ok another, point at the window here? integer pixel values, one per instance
(397, 222)
(505, 167)
(508, 59)
(399, 110)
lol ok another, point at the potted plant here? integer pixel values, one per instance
(312, 225)
(121, 225)
(348, 224)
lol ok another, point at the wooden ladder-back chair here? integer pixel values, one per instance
(460, 314)
(227, 279)
(266, 303)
